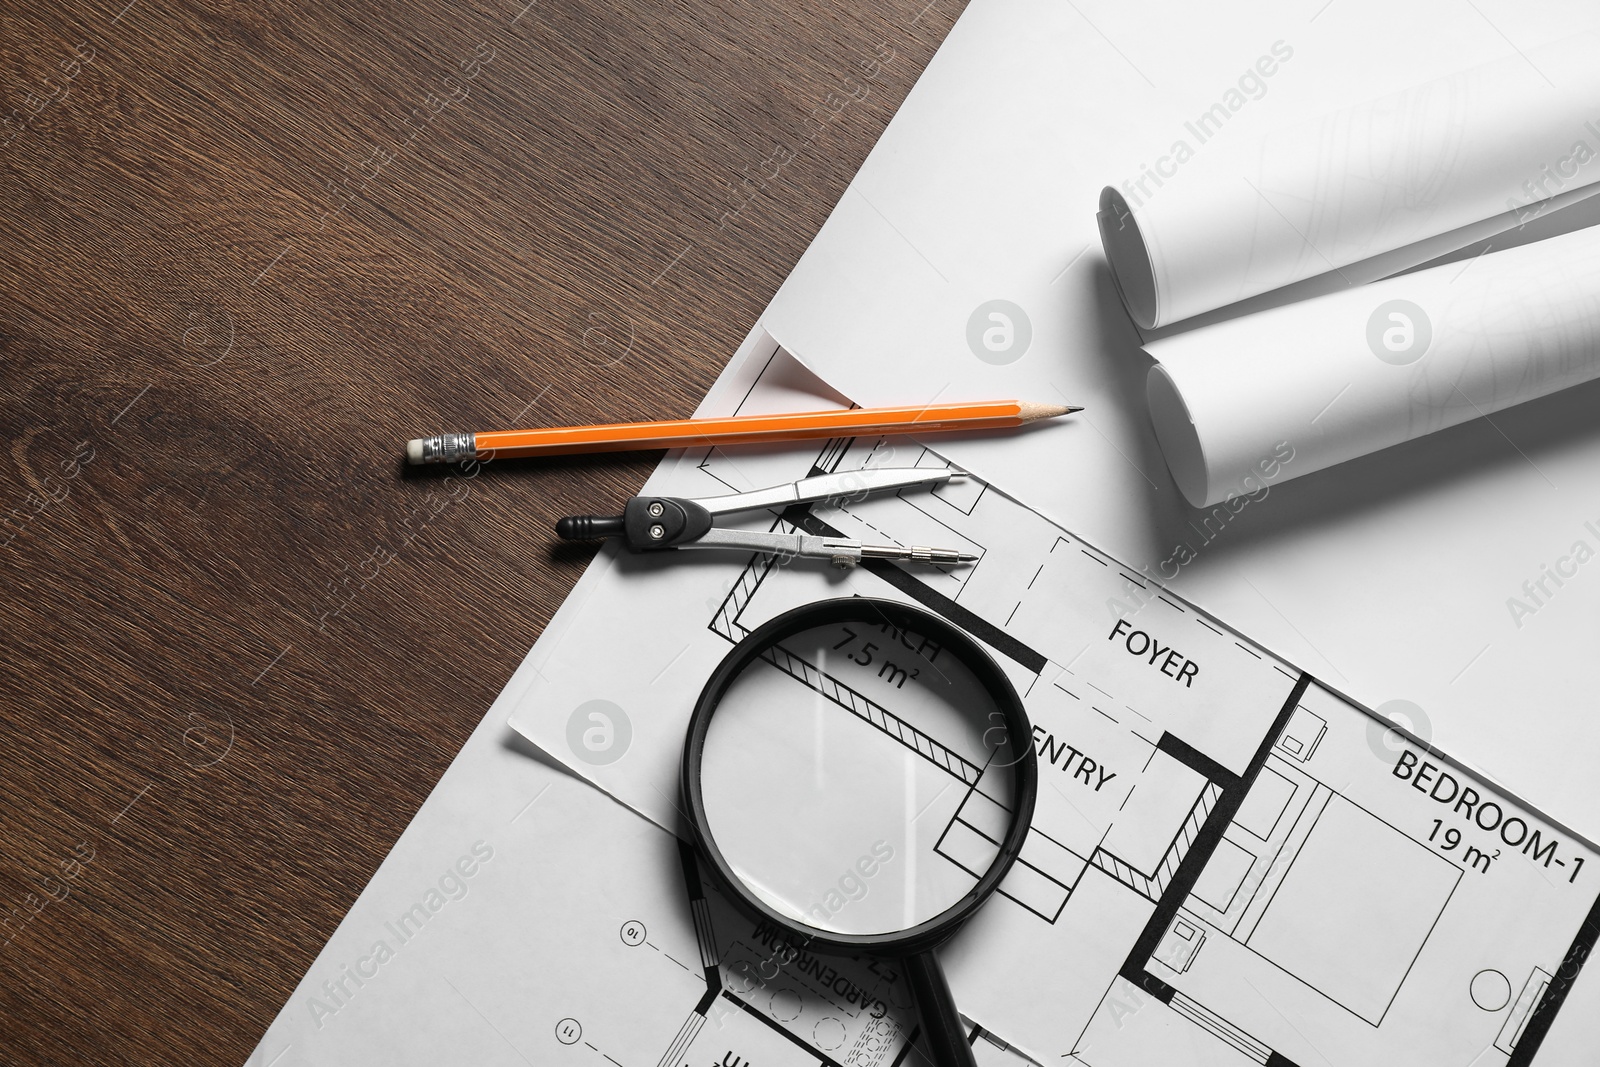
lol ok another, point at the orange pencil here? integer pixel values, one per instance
(737, 430)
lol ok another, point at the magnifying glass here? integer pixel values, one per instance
(861, 775)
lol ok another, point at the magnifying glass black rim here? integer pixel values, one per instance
(924, 935)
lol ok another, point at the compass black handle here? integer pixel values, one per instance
(590, 527)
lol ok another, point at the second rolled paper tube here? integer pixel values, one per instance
(1356, 371)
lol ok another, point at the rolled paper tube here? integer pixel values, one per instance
(1436, 167)
(1294, 389)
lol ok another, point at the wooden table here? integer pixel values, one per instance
(248, 249)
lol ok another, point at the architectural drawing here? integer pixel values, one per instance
(1223, 868)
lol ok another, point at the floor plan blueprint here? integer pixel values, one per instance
(1224, 867)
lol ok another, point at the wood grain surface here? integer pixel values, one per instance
(246, 250)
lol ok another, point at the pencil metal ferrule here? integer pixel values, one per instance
(448, 447)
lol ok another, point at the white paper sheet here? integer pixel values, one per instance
(1244, 403)
(541, 934)
(1497, 140)
(1255, 853)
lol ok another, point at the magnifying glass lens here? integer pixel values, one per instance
(858, 778)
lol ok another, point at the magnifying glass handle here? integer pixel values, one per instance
(941, 1025)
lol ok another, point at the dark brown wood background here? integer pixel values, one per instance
(246, 250)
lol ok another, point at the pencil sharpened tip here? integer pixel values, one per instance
(1031, 412)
